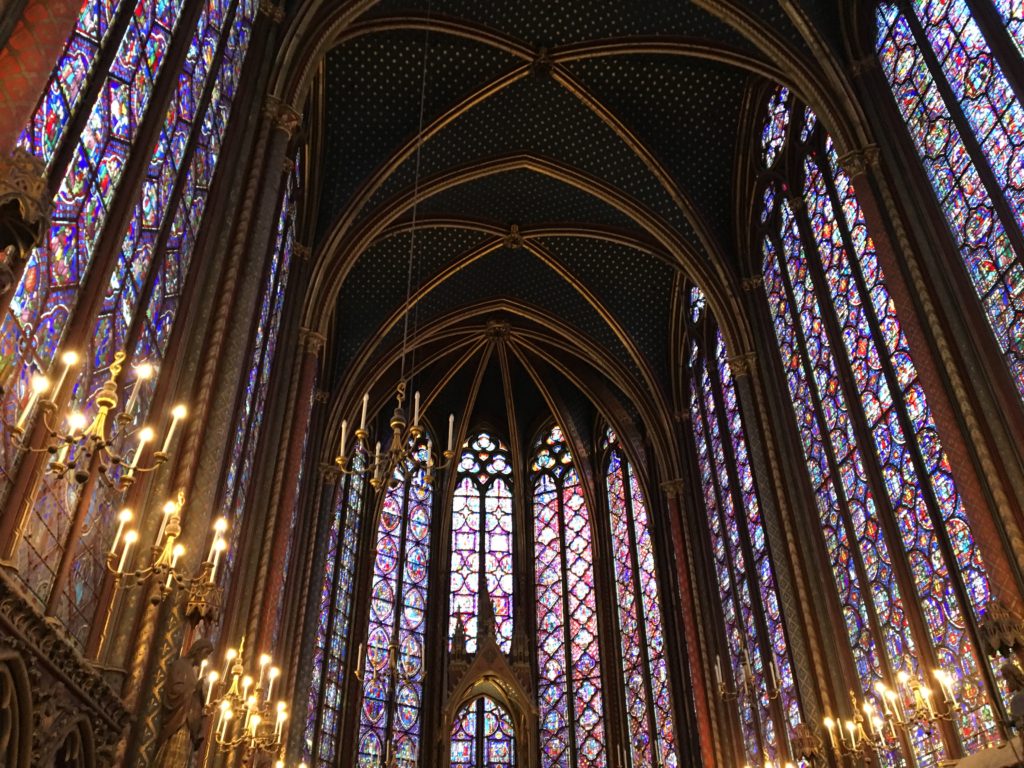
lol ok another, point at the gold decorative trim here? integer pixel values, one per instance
(282, 115)
(272, 11)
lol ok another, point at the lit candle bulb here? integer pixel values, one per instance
(272, 675)
(176, 553)
(177, 414)
(451, 430)
(852, 728)
(143, 372)
(39, 385)
(830, 727)
(70, 360)
(219, 545)
(246, 685)
(362, 417)
(416, 409)
(226, 715)
(169, 509)
(219, 527)
(146, 435)
(130, 537)
(344, 439)
(718, 670)
(254, 724)
(229, 656)
(211, 681)
(123, 518)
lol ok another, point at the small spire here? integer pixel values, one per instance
(486, 623)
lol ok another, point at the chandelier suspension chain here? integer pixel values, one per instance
(415, 200)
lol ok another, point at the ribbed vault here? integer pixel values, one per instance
(579, 165)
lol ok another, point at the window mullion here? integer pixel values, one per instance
(993, 27)
(757, 602)
(730, 563)
(834, 471)
(570, 698)
(899, 403)
(641, 613)
(967, 135)
(174, 199)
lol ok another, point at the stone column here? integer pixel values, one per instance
(691, 621)
(310, 345)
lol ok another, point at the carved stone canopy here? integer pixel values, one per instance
(24, 212)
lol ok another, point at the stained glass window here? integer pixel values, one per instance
(572, 731)
(482, 538)
(881, 477)
(758, 667)
(390, 719)
(649, 719)
(335, 613)
(968, 126)
(483, 736)
(150, 269)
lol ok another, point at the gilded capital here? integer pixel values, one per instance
(282, 114)
(742, 365)
(272, 11)
(312, 341)
(857, 162)
(753, 283)
(674, 488)
(301, 251)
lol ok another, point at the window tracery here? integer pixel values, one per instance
(649, 717)
(966, 122)
(572, 729)
(390, 719)
(894, 524)
(758, 669)
(481, 543)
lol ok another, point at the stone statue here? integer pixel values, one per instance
(181, 735)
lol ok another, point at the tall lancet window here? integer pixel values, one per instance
(965, 117)
(572, 732)
(652, 740)
(482, 538)
(894, 523)
(335, 612)
(390, 720)
(757, 668)
(87, 130)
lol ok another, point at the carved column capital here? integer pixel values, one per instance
(742, 365)
(272, 11)
(858, 161)
(311, 341)
(301, 251)
(321, 396)
(514, 239)
(282, 115)
(752, 283)
(674, 488)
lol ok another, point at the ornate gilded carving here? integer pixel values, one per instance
(742, 365)
(74, 711)
(674, 488)
(514, 239)
(498, 329)
(312, 341)
(272, 11)
(752, 283)
(301, 251)
(1001, 630)
(542, 65)
(24, 212)
(282, 115)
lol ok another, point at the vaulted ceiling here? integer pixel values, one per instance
(580, 165)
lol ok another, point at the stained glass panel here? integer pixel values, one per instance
(774, 132)
(649, 717)
(568, 652)
(482, 539)
(1013, 14)
(994, 269)
(483, 736)
(390, 716)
